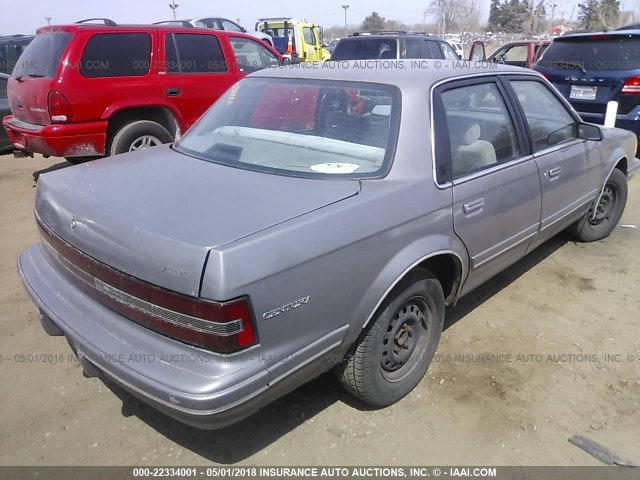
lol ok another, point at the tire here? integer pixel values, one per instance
(608, 211)
(389, 359)
(139, 135)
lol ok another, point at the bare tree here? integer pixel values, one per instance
(446, 13)
(468, 18)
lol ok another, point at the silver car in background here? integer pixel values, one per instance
(313, 219)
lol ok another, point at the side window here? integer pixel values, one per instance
(3, 88)
(116, 55)
(515, 56)
(448, 52)
(414, 48)
(209, 23)
(309, 38)
(251, 55)
(193, 53)
(481, 131)
(549, 120)
(230, 26)
(431, 49)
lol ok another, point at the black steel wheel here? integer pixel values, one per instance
(606, 211)
(394, 351)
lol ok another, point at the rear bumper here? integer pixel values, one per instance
(60, 140)
(198, 388)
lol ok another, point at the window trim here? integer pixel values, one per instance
(172, 36)
(441, 145)
(102, 34)
(507, 79)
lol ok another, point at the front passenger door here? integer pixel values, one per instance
(496, 189)
(569, 170)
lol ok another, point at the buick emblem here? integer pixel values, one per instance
(73, 223)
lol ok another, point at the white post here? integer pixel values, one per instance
(611, 114)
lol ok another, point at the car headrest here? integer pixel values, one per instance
(472, 134)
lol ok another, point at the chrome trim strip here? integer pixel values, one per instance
(506, 249)
(581, 203)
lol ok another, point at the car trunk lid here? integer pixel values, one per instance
(156, 214)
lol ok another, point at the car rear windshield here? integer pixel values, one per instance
(361, 48)
(42, 57)
(593, 53)
(303, 128)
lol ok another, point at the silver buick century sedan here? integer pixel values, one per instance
(313, 219)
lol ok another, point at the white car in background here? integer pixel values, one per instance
(457, 47)
(217, 23)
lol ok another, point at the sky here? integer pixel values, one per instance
(25, 16)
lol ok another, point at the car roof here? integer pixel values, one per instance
(141, 26)
(401, 73)
(598, 35)
(387, 34)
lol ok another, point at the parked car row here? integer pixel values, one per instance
(121, 88)
(293, 228)
(312, 219)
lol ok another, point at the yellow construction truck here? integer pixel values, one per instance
(299, 41)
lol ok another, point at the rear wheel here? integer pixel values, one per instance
(394, 352)
(139, 135)
(603, 217)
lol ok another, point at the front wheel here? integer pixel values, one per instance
(603, 217)
(394, 352)
(139, 135)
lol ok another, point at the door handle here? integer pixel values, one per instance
(173, 92)
(473, 206)
(554, 172)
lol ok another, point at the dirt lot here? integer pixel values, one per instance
(550, 320)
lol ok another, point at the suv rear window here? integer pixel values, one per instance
(42, 57)
(599, 53)
(361, 48)
(116, 55)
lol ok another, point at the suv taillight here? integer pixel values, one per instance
(59, 108)
(632, 86)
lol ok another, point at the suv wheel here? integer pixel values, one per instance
(394, 352)
(139, 135)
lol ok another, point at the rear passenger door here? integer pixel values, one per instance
(569, 170)
(481, 155)
(197, 71)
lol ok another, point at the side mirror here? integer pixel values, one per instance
(286, 61)
(244, 30)
(587, 131)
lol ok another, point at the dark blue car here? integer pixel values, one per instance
(593, 69)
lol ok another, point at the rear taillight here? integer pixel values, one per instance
(632, 86)
(223, 327)
(59, 108)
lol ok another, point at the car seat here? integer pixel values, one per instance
(472, 152)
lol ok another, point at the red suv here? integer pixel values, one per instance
(86, 90)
